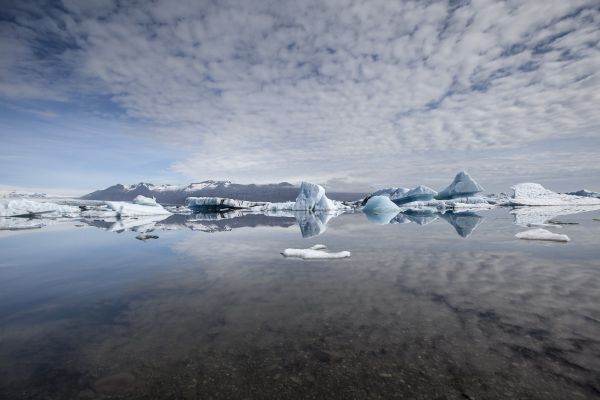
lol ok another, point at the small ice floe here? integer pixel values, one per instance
(124, 209)
(316, 252)
(534, 194)
(146, 236)
(542, 234)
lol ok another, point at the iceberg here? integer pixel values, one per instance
(125, 209)
(312, 198)
(585, 193)
(462, 186)
(27, 208)
(542, 234)
(534, 194)
(380, 205)
(392, 192)
(216, 204)
(419, 193)
(316, 252)
(145, 201)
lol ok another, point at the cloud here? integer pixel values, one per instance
(263, 91)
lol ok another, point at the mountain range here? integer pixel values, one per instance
(175, 194)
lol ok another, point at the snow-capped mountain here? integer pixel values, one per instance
(176, 194)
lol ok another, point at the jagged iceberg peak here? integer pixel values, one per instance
(419, 193)
(312, 198)
(462, 186)
(391, 192)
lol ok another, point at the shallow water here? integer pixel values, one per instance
(418, 311)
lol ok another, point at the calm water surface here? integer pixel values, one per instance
(418, 311)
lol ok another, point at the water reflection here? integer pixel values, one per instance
(224, 316)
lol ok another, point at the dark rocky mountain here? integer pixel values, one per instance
(172, 194)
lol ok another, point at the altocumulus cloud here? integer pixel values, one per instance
(263, 90)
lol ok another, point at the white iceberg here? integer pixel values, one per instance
(23, 207)
(144, 201)
(419, 193)
(316, 252)
(220, 203)
(462, 186)
(124, 209)
(534, 194)
(542, 234)
(380, 205)
(312, 198)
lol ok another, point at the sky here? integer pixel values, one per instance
(354, 95)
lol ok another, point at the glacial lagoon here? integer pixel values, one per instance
(429, 306)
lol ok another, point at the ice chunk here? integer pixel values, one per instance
(419, 193)
(205, 204)
(462, 186)
(312, 198)
(585, 193)
(542, 234)
(23, 207)
(534, 194)
(380, 205)
(392, 192)
(145, 201)
(124, 209)
(19, 224)
(146, 236)
(316, 252)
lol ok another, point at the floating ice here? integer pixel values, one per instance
(585, 193)
(19, 224)
(312, 198)
(316, 252)
(392, 192)
(419, 193)
(534, 194)
(146, 236)
(380, 205)
(462, 186)
(542, 234)
(220, 204)
(145, 201)
(124, 209)
(22, 208)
